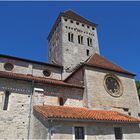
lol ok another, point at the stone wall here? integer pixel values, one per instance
(73, 52)
(99, 98)
(76, 78)
(93, 130)
(51, 94)
(14, 122)
(23, 67)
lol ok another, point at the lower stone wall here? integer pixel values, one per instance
(93, 130)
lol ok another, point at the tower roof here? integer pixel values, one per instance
(72, 15)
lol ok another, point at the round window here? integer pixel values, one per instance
(46, 73)
(113, 85)
(8, 66)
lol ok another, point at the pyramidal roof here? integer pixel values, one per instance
(101, 62)
(72, 15)
(75, 16)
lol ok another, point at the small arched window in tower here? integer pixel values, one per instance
(89, 41)
(93, 28)
(61, 101)
(83, 25)
(80, 39)
(70, 37)
(71, 21)
(77, 23)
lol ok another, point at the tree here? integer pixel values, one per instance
(138, 87)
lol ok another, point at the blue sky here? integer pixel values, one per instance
(24, 27)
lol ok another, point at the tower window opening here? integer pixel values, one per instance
(6, 100)
(61, 101)
(65, 19)
(89, 42)
(83, 25)
(93, 28)
(87, 52)
(77, 23)
(87, 26)
(70, 37)
(80, 39)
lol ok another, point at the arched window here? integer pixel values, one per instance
(80, 39)
(61, 101)
(70, 37)
(89, 42)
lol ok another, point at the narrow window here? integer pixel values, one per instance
(70, 37)
(61, 101)
(79, 133)
(118, 133)
(89, 42)
(80, 39)
(6, 100)
(87, 52)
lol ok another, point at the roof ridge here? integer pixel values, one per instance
(102, 62)
(29, 60)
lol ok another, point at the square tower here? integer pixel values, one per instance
(73, 39)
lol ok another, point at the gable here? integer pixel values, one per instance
(76, 77)
(98, 61)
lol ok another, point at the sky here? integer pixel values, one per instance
(24, 27)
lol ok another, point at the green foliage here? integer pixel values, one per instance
(138, 87)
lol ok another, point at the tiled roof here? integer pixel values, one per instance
(73, 15)
(101, 62)
(65, 112)
(30, 61)
(37, 79)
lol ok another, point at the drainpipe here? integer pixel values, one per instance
(30, 109)
(50, 129)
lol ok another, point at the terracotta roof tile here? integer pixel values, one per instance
(101, 62)
(65, 112)
(35, 78)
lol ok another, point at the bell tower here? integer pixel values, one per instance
(73, 39)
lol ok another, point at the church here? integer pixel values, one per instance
(77, 95)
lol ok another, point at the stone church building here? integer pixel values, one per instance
(79, 94)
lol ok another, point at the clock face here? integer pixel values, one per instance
(113, 86)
